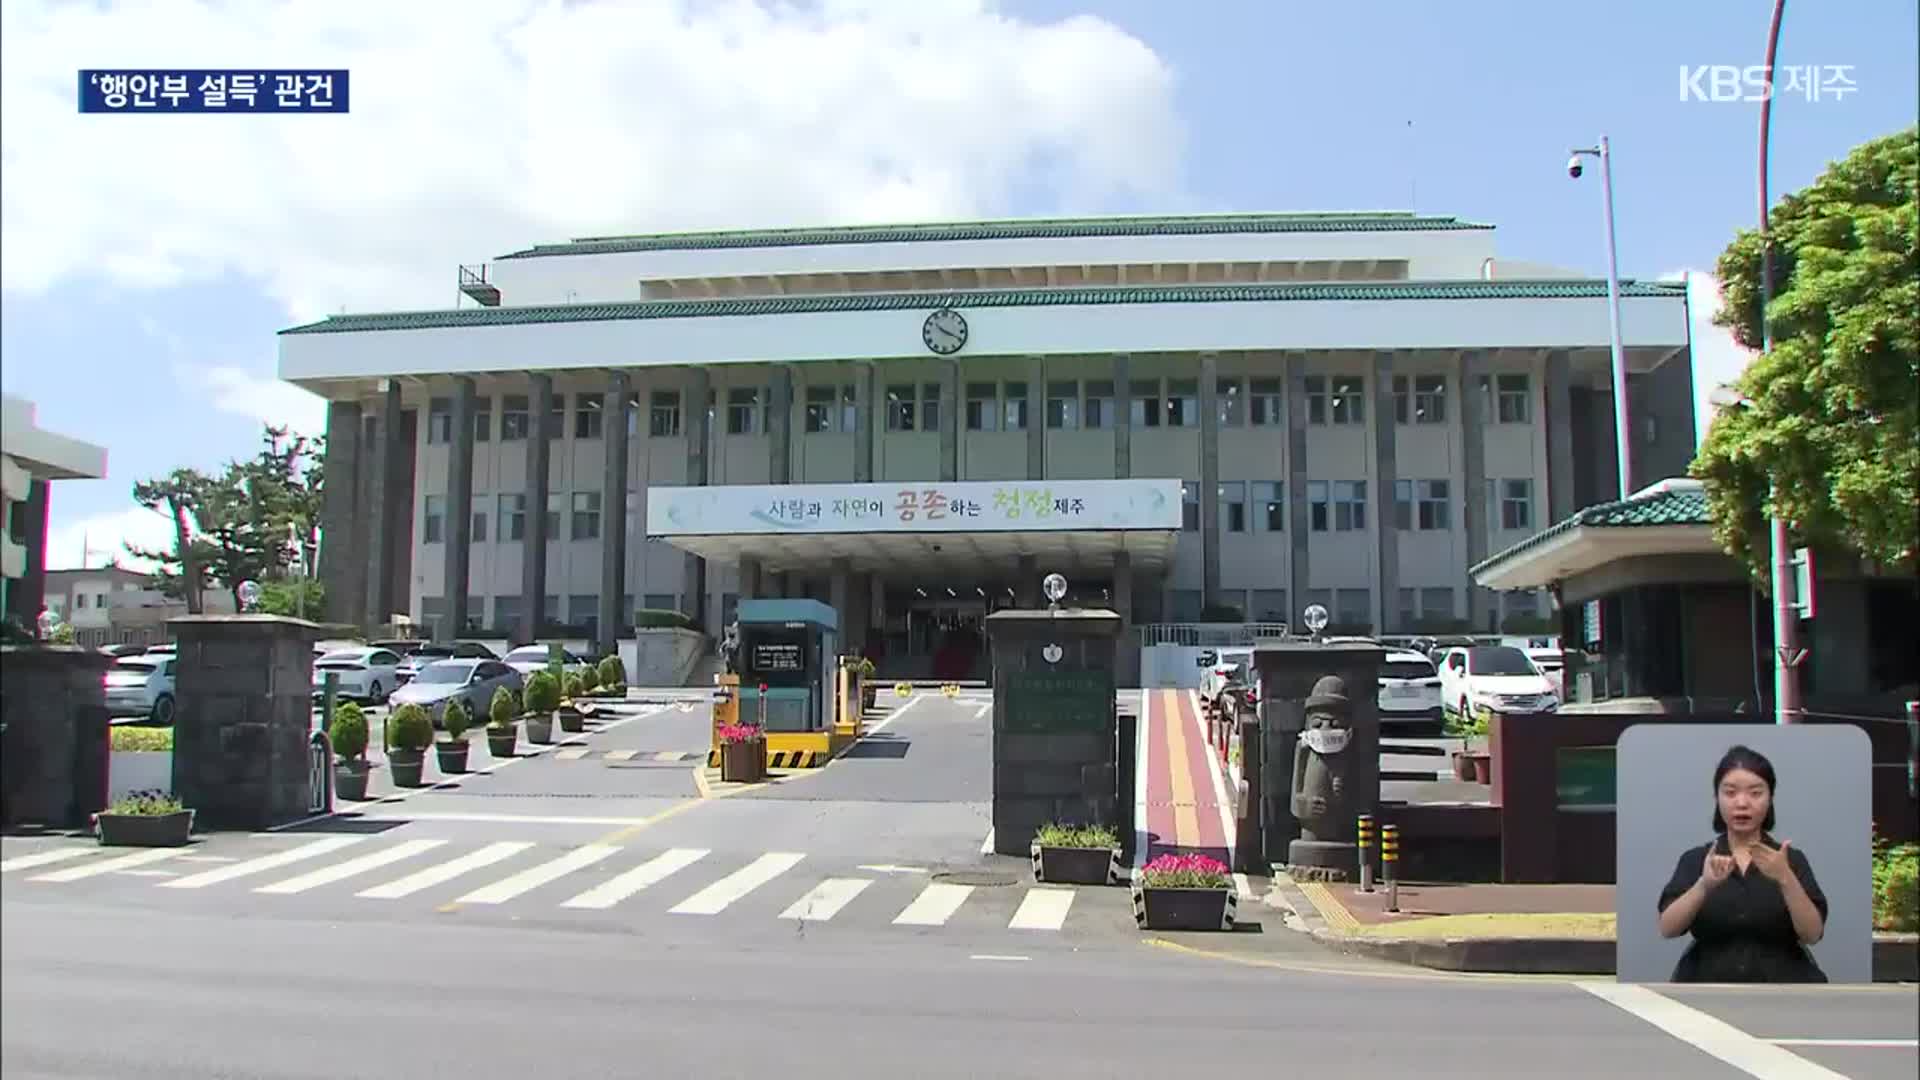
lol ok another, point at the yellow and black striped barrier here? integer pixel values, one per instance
(783, 759)
(1389, 863)
(1366, 852)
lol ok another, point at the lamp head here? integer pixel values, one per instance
(1055, 586)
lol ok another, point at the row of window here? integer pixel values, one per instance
(1348, 606)
(581, 510)
(582, 609)
(1341, 505)
(1002, 406)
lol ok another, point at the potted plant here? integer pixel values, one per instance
(503, 728)
(613, 677)
(542, 698)
(743, 754)
(347, 731)
(409, 733)
(869, 684)
(1076, 855)
(573, 687)
(1184, 892)
(452, 750)
(145, 819)
(1470, 763)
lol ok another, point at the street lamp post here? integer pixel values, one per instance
(1622, 434)
(1786, 613)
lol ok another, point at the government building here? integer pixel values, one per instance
(1192, 418)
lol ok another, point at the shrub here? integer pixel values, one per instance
(657, 619)
(147, 804)
(1186, 872)
(543, 693)
(1896, 886)
(613, 673)
(455, 719)
(865, 668)
(347, 728)
(409, 728)
(1085, 836)
(143, 740)
(589, 677)
(573, 685)
(502, 709)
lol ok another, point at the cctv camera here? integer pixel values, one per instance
(1574, 167)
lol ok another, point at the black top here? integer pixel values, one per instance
(1743, 931)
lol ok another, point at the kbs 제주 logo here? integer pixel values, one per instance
(203, 90)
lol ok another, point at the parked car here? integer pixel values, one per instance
(141, 686)
(528, 659)
(424, 653)
(472, 682)
(1227, 670)
(1552, 662)
(1497, 677)
(364, 673)
(1409, 688)
(123, 650)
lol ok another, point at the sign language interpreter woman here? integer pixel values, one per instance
(1750, 901)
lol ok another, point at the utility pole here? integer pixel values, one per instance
(1786, 618)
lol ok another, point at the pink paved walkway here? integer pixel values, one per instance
(1184, 811)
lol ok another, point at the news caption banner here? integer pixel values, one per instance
(213, 90)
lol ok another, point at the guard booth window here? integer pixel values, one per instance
(776, 656)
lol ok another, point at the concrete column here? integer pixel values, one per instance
(1127, 669)
(1386, 474)
(749, 571)
(1473, 455)
(343, 557)
(699, 422)
(613, 514)
(864, 427)
(1209, 479)
(1026, 590)
(533, 565)
(459, 513)
(780, 428)
(1122, 418)
(840, 591)
(1559, 421)
(1036, 418)
(950, 420)
(1299, 526)
(28, 592)
(384, 510)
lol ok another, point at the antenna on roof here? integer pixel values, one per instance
(1413, 170)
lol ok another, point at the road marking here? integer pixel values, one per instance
(327, 875)
(446, 871)
(1872, 1044)
(108, 866)
(826, 899)
(1227, 824)
(716, 897)
(149, 873)
(652, 872)
(986, 846)
(935, 905)
(1243, 886)
(209, 858)
(532, 878)
(43, 858)
(525, 819)
(312, 850)
(890, 868)
(1709, 1034)
(574, 754)
(1042, 909)
(667, 755)
(997, 956)
(983, 710)
(620, 755)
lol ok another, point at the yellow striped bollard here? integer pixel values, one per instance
(1366, 852)
(1389, 863)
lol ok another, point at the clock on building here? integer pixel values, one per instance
(945, 331)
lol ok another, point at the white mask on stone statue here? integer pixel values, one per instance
(1326, 740)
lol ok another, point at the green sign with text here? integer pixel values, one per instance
(1059, 701)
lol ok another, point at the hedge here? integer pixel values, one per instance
(142, 739)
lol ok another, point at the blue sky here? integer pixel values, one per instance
(149, 261)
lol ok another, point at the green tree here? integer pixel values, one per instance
(1835, 401)
(179, 573)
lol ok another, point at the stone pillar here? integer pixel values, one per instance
(384, 509)
(459, 513)
(1053, 723)
(698, 430)
(950, 420)
(780, 429)
(244, 688)
(1559, 421)
(840, 591)
(53, 770)
(749, 572)
(533, 566)
(343, 556)
(613, 515)
(1209, 479)
(1036, 418)
(1127, 663)
(864, 427)
(1288, 672)
(1299, 524)
(1026, 590)
(1386, 475)
(1122, 417)
(1473, 455)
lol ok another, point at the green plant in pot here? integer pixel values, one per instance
(1076, 855)
(453, 748)
(503, 723)
(347, 731)
(869, 682)
(409, 733)
(542, 698)
(145, 819)
(612, 677)
(1471, 762)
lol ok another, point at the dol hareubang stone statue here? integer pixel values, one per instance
(1322, 781)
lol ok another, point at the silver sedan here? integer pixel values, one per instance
(471, 682)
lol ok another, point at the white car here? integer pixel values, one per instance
(528, 659)
(1552, 662)
(366, 674)
(141, 686)
(1409, 688)
(1496, 677)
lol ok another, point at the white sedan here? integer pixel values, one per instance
(367, 674)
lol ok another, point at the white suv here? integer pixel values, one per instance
(1409, 688)
(1496, 677)
(142, 686)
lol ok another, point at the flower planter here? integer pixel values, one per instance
(744, 762)
(1462, 767)
(1157, 908)
(570, 721)
(406, 766)
(129, 771)
(1076, 865)
(453, 755)
(1482, 767)
(539, 728)
(145, 830)
(350, 780)
(502, 742)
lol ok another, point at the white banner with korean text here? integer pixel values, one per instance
(935, 507)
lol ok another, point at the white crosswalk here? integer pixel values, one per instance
(716, 897)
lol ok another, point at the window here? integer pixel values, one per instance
(659, 601)
(432, 610)
(634, 413)
(583, 610)
(1402, 399)
(743, 410)
(1270, 506)
(1319, 515)
(1353, 607)
(513, 517)
(557, 417)
(550, 524)
(1523, 604)
(1233, 506)
(820, 416)
(439, 420)
(79, 601)
(1063, 406)
(1229, 403)
(1348, 401)
(506, 611)
(1015, 404)
(513, 418)
(586, 515)
(1143, 401)
(1436, 603)
(930, 407)
(1316, 399)
(663, 414)
(982, 402)
(482, 419)
(1263, 402)
(586, 416)
(1189, 506)
(1516, 504)
(1512, 405)
(729, 607)
(1269, 605)
(1098, 410)
(476, 618)
(550, 608)
(901, 413)
(433, 529)
(1408, 608)
(479, 533)
(849, 409)
(1349, 505)
(1183, 402)
(1429, 399)
(1420, 504)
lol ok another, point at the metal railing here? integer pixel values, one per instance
(1214, 634)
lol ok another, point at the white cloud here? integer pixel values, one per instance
(1717, 358)
(97, 539)
(261, 397)
(480, 126)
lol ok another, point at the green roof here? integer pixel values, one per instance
(1009, 229)
(1684, 504)
(985, 298)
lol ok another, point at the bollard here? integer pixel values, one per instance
(1389, 863)
(1366, 858)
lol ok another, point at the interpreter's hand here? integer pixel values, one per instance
(1715, 870)
(1771, 861)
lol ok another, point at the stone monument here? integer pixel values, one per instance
(1322, 787)
(1317, 733)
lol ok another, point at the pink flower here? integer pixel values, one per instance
(738, 733)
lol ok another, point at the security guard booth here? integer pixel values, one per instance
(789, 679)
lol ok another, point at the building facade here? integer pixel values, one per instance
(1353, 409)
(31, 457)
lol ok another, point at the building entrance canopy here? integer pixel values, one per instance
(903, 529)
